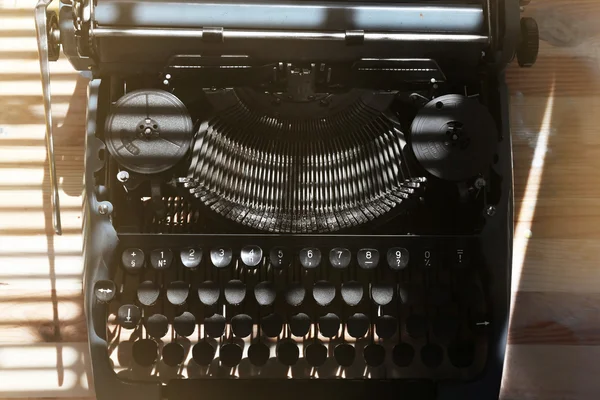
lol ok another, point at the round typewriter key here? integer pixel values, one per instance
(105, 291)
(147, 293)
(235, 292)
(230, 355)
(344, 354)
(445, 326)
(221, 257)
(132, 259)
(323, 293)
(265, 293)
(191, 257)
(258, 353)
(340, 257)
(382, 293)
(310, 257)
(157, 326)
(251, 256)
(357, 325)
(374, 355)
(177, 292)
(294, 295)
(203, 353)
(300, 324)
(352, 292)
(368, 258)
(145, 352)
(241, 325)
(161, 259)
(386, 326)
(329, 325)
(214, 326)
(184, 324)
(288, 353)
(280, 257)
(129, 316)
(416, 326)
(410, 295)
(432, 355)
(173, 354)
(271, 325)
(397, 258)
(403, 354)
(461, 353)
(209, 293)
(315, 354)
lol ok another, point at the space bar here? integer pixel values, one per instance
(299, 389)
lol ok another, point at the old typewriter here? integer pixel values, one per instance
(299, 200)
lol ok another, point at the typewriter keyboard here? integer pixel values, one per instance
(185, 306)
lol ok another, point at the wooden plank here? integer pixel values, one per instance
(551, 373)
(555, 318)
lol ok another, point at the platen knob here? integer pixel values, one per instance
(529, 47)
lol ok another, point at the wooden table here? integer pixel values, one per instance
(555, 330)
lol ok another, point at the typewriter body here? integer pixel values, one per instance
(300, 199)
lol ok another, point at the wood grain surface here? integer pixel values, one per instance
(554, 341)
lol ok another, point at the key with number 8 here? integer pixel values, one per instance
(397, 258)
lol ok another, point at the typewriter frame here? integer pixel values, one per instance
(101, 242)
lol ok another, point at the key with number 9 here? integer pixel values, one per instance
(397, 258)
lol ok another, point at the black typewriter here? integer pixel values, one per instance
(299, 200)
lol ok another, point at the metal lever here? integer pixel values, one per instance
(48, 40)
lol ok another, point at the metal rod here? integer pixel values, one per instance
(43, 48)
(285, 35)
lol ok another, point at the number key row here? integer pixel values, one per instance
(396, 258)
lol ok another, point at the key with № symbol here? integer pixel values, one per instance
(161, 259)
